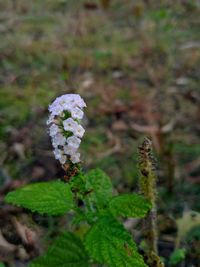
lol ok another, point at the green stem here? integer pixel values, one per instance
(148, 189)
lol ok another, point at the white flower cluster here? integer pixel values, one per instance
(64, 127)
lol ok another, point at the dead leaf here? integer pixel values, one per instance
(27, 235)
(19, 149)
(119, 125)
(189, 220)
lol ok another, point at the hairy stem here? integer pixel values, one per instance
(148, 189)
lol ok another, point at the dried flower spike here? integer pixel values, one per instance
(66, 113)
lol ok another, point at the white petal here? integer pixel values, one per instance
(58, 153)
(50, 119)
(69, 150)
(77, 113)
(75, 158)
(53, 130)
(63, 159)
(58, 140)
(55, 109)
(79, 131)
(69, 124)
(73, 141)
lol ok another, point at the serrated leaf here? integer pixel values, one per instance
(52, 198)
(100, 187)
(67, 251)
(108, 242)
(129, 205)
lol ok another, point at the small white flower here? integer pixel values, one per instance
(58, 153)
(53, 130)
(77, 113)
(58, 140)
(69, 150)
(73, 141)
(69, 124)
(50, 119)
(65, 105)
(63, 159)
(56, 109)
(75, 100)
(79, 131)
(75, 158)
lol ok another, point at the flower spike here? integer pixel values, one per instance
(65, 130)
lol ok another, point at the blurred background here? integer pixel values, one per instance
(136, 64)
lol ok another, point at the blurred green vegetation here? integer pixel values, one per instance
(49, 47)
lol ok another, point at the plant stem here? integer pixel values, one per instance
(148, 189)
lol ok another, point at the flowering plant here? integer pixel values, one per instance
(88, 196)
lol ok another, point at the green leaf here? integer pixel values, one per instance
(109, 243)
(2, 265)
(66, 251)
(100, 187)
(129, 205)
(52, 198)
(177, 256)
